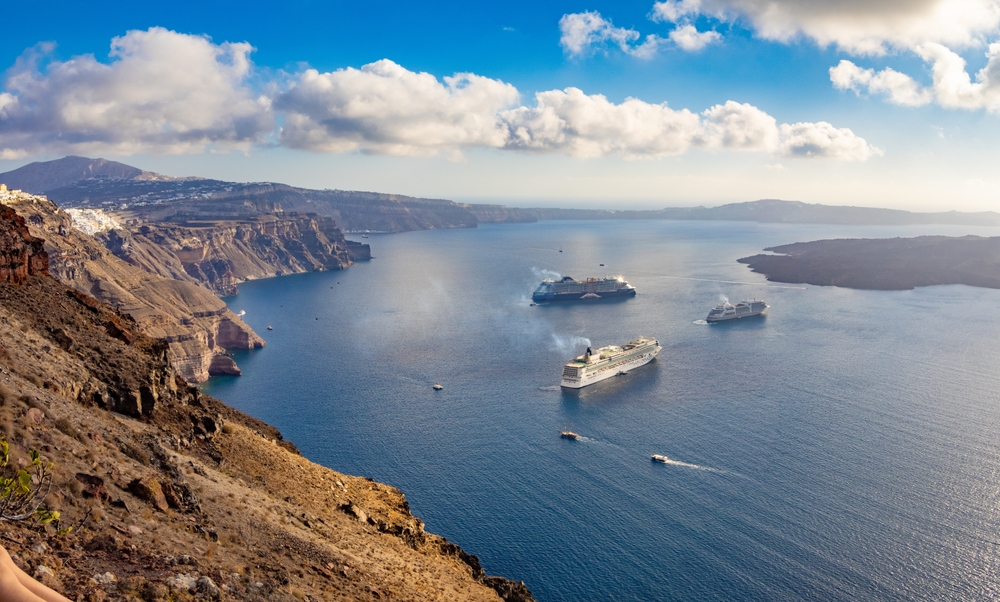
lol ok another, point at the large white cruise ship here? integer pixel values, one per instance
(743, 309)
(595, 366)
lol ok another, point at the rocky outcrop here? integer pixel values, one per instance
(195, 323)
(173, 495)
(221, 254)
(358, 251)
(884, 264)
(21, 254)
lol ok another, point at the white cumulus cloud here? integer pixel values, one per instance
(165, 92)
(583, 32)
(857, 26)
(162, 92)
(901, 89)
(952, 86)
(736, 126)
(690, 39)
(386, 108)
(823, 140)
(584, 125)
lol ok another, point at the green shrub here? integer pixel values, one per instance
(22, 491)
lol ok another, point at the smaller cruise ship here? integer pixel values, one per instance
(743, 309)
(595, 366)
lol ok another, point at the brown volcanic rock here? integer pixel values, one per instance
(251, 520)
(21, 254)
(220, 254)
(196, 324)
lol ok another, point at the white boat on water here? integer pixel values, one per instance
(743, 309)
(659, 458)
(595, 366)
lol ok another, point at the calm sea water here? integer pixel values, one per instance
(844, 447)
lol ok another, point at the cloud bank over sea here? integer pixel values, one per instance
(165, 92)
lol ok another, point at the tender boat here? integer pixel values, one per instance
(568, 435)
(659, 458)
(269, 327)
(437, 387)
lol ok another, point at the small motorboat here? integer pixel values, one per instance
(437, 386)
(364, 236)
(269, 327)
(659, 458)
(568, 435)
(243, 312)
(602, 265)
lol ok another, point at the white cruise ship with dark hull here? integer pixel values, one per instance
(743, 309)
(595, 366)
(568, 289)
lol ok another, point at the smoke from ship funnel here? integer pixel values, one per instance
(543, 274)
(568, 345)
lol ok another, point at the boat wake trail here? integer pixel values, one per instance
(699, 322)
(670, 462)
(550, 388)
(583, 439)
(694, 466)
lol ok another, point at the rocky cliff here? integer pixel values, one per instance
(221, 254)
(21, 254)
(195, 323)
(172, 495)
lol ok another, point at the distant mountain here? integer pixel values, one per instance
(43, 176)
(762, 211)
(148, 196)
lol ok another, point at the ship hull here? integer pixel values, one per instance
(621, 366)
(726, 318)
(580, 296)
(743, 309)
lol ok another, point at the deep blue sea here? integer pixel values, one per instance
(846, 446)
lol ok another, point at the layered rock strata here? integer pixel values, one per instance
(197, 326)
(173, 495)
(221, 254)
(21, 254)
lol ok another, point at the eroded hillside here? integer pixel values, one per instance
(172, 494)
(196, 324)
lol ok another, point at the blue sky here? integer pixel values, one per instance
(263, 91)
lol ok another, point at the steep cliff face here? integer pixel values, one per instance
(21, 254)
(221, 254)
(174, 495)
(195, 323)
